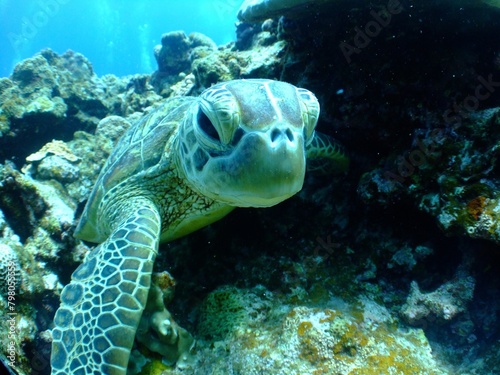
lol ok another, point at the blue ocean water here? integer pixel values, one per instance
(118, 36)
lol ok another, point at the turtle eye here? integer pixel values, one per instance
(206, 125)
(310, 111)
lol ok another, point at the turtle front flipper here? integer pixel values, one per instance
(101, 307)
(325, 155)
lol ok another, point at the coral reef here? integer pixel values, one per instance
(262, 334)
(196, 63)
(26, 311)
(54, 161)
(175, 55)
(50, 94)
(463, 196)
(159, 332)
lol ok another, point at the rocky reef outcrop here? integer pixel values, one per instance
(54, 96)
(261, 10)
(189, 64)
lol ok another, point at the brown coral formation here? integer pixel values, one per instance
(476, 206)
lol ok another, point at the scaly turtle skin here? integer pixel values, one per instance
(189, 163)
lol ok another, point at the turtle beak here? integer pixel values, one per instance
(264, 169)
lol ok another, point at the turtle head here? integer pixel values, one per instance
(243, 143)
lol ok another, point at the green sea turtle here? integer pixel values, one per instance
(241, 143)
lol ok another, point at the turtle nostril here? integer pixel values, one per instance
(275, 133)
(278, 134)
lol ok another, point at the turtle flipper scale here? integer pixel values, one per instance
(102, 305)
(325, 155)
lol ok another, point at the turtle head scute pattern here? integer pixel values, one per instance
(244, 142)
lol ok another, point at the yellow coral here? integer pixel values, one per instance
(155, 367)
(303, 328)
(330, 315)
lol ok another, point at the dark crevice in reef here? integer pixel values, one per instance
(31, 135)
(21, 206)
